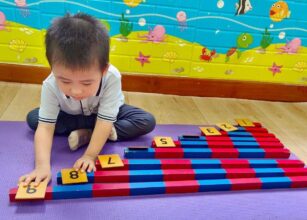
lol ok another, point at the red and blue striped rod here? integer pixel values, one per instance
(167, 187)
(227, 138)
(224, 144)
(206, 153)
(251, 130)
(111, 176)
(152, 164)
(256, 124)
(244, 134)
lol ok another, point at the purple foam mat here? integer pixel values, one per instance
(16, 158)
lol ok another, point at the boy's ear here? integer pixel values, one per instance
(105, 69)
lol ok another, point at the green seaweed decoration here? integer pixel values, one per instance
(266, 39)
(125, 26)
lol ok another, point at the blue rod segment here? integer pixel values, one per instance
(147, 153)
(269, 172)
(201, 174)
(205, 144)
(275, 182)
(139, 164)
(148, 188)
(194, 144)
(251, 153)
(211, 163)
(214, 185)
(145, 175)
(258, 163)
(239, 134)
(246, 144)
(235, 136)
(244, 139)
(72, 191)
(197, 153)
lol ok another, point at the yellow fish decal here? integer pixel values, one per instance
(132, 3)
(279, 11)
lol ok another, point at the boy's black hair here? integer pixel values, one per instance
(77, 42)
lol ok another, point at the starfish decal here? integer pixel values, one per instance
(142, 59)
(275, 68)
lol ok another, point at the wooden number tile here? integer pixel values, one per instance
(32, 192)
(210, 131)
(70, 176)
(109, 161)
(226, 127)
(245, 122)
(164, 142)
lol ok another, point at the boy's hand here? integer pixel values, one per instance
(85, 163)
(38, 175)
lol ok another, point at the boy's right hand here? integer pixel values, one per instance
(38, 175)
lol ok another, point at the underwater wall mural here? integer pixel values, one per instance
(248, 40)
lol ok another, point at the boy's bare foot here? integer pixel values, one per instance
(113, 134)
(78, 138)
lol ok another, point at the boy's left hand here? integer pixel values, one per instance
(85, 163)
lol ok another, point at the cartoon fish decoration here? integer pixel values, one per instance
(243, 7)
(279, 11)
(244, 40)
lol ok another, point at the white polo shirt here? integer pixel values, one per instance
(109, 98)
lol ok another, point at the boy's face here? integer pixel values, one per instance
(78, 84)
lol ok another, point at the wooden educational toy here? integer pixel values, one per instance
(223, 158)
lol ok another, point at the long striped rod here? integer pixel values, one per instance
(111, 176)
(244, 134)
(167, 187)
(225, 144)
(206, 153)
(151, 164)
(227, 138)
(250, 129)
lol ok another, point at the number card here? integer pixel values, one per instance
(111, 160)
(71, 176)
(164, 142)
(245, 122)
(32, 192)
(210, 131)
(226, 127)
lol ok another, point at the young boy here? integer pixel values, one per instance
(82, 97)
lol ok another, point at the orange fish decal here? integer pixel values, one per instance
(279, 11)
